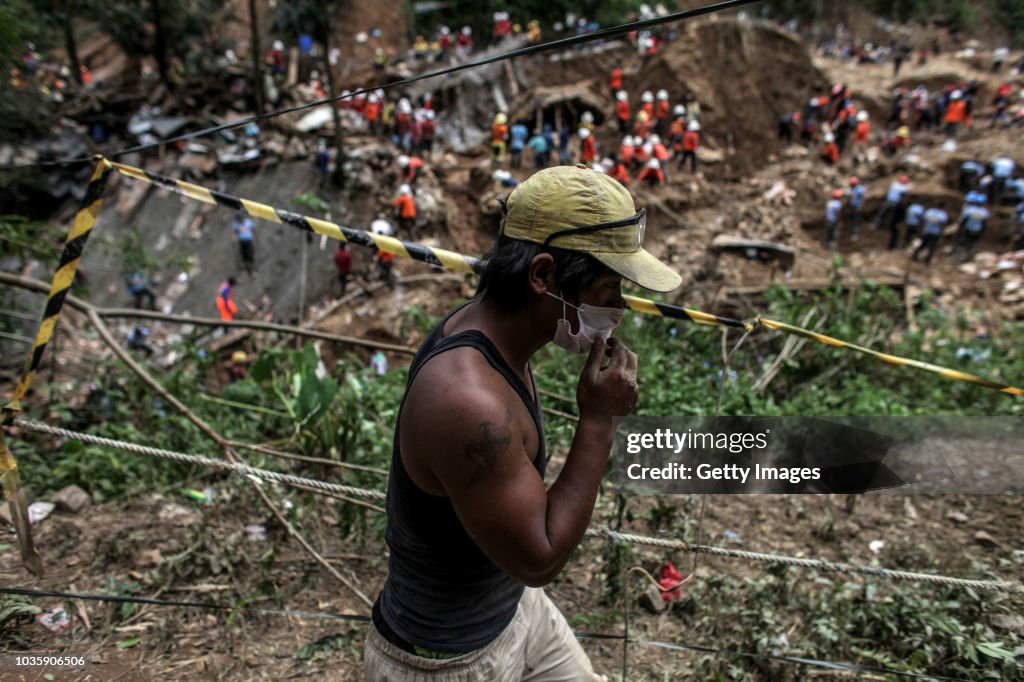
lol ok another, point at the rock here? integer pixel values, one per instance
(1006, 622)
(985, 540)
(71, 499)
(40, 511)
(958, 517)
(705, 155)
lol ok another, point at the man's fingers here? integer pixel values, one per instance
(619, 356)
(631, 363)
(594, 360)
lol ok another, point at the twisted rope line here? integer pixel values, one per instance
(606, 533)
(243, 469)
(821, 564)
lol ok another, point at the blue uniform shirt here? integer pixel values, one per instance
(914, 213)
(934, 220)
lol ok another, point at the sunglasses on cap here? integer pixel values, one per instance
(639, 220)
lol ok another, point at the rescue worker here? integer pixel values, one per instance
(616, 79)
(225, 302)
(642, 126)
(647, 104)
(956, 113)
(935, 220)
(915, 213)
(661, 112)
(833, 212)
(409, 168)
(499, 134)
(861, 137)
(622, 111)
(830, 152)
(973, 221)
(651, 174)
(895, 200)
(856, 207)
(588, 146)
(517, 141)
(405, 211)
(691, 142)
(627, 151)
(786, 124)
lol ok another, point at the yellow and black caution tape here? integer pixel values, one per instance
(953, 374)
(413, 250)
(81, 228)
(469, 264)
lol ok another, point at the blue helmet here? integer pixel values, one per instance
(976, 198)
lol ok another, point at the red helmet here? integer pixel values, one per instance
(904, 179)
(837, 194)
(854, 181)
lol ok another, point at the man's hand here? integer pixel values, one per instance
(609, 391)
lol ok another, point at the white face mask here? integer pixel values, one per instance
(595, 323)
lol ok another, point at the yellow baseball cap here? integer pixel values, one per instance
(580, 209)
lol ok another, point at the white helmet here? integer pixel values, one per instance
(654, 139)
(445, 30)
(501, 175)
(496, 16)
(584, 133)
(679, 110)
(829, 137)
(404, 107)
(662, 94)
(607, 164)
(467, 31)
(403, 161)
(621, 96)
(405, 189)
(648, 149)
(647, 96)
(862, 116)
(587, 117)
(345, 93)
(430, 114)
(278, 45)
(957, 94)
(694, 126)
(654, 163)
(372, 98)
(627, 141)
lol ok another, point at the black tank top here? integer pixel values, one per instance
(442, 592)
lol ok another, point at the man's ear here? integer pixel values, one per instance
(541, 275)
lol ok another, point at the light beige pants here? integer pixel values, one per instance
(537, 645)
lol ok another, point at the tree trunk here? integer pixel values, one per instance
(69, 42)
(339, 173)
(257, 72)
(160, 44)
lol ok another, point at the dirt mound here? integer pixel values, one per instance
(745, 75)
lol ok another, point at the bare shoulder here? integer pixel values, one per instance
(461, 423)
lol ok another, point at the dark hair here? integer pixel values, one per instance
(507, 264)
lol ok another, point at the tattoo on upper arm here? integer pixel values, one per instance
(485, 450)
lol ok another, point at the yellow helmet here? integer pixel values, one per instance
(500, 118)
(904, 131)
(238, 357)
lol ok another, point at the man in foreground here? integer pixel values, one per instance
(473, 532)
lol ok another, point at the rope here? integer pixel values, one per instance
(244, 469)
(571, 41)
(360, 618)
(616, 536)
(820, 564)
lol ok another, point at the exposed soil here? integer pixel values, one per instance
(745, 76)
